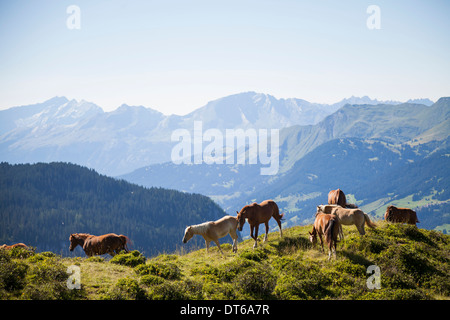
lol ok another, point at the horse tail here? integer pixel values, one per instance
(276, 213)
(125, 240)
(329, 231)
(368, 222)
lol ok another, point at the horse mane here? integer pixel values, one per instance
(83, 235)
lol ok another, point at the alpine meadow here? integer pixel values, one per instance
(219, 159)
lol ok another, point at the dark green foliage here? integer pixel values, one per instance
(257, 282)
(12, 274)
(166, 270)
(38, 277)
(254, 254)
(42, 204)
(131, 259)
(126, 289)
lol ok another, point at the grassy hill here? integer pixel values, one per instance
(414, 264)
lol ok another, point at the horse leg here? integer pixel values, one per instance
(207, 246)
(256, 236)
(321, 241)
(279, 226)
(267, 230)
(218, 245)
(335, 242)
(234, 237)
(361, 229)
(234, 245)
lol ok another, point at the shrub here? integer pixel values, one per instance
(150, 279)
(254, 254)
(126, 289)
(21, 252)
(12, 273)
(229, 271)
(46, 279)
(130, 259)
(168, 291)
(257, 282)
(95, 259)
(355, 270)
(167, 270)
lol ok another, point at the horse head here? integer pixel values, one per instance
(77, 239)
(74, 241)
(188, 234)
(313, 237)
(241, 218)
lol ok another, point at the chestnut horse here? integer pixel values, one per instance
(259, 213)
(394, 214)
(213, 231)
(337, 197)
(97, 245)
(328, 225)
(16, 245)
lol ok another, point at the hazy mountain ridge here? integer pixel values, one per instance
(130, 137)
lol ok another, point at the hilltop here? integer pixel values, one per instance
(414, 264)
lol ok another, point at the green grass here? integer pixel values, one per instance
(414, 264)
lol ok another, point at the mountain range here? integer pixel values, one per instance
(131, 137)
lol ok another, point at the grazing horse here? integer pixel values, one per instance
(213, 231)
(259, 213)
(348, 216)
(328, 225)
(394, 214)
(337, 197)
(97, 245)
(16, 245)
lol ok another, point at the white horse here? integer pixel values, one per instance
(213, 231)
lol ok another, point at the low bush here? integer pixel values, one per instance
(126, 289)
(169, 271)
(130, 259)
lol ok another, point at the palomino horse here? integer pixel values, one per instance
(348, 216)
(257, 214)
(213, 231)
(394, 214)
(97, 245)
(328, 225)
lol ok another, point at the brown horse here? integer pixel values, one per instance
(337, 197)
(16, 245)
(97, 245)
(394, 214)
(328, 225)
(259, 213)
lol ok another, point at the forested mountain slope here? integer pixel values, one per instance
(42, 204)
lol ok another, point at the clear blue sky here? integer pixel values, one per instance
(175, 56)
